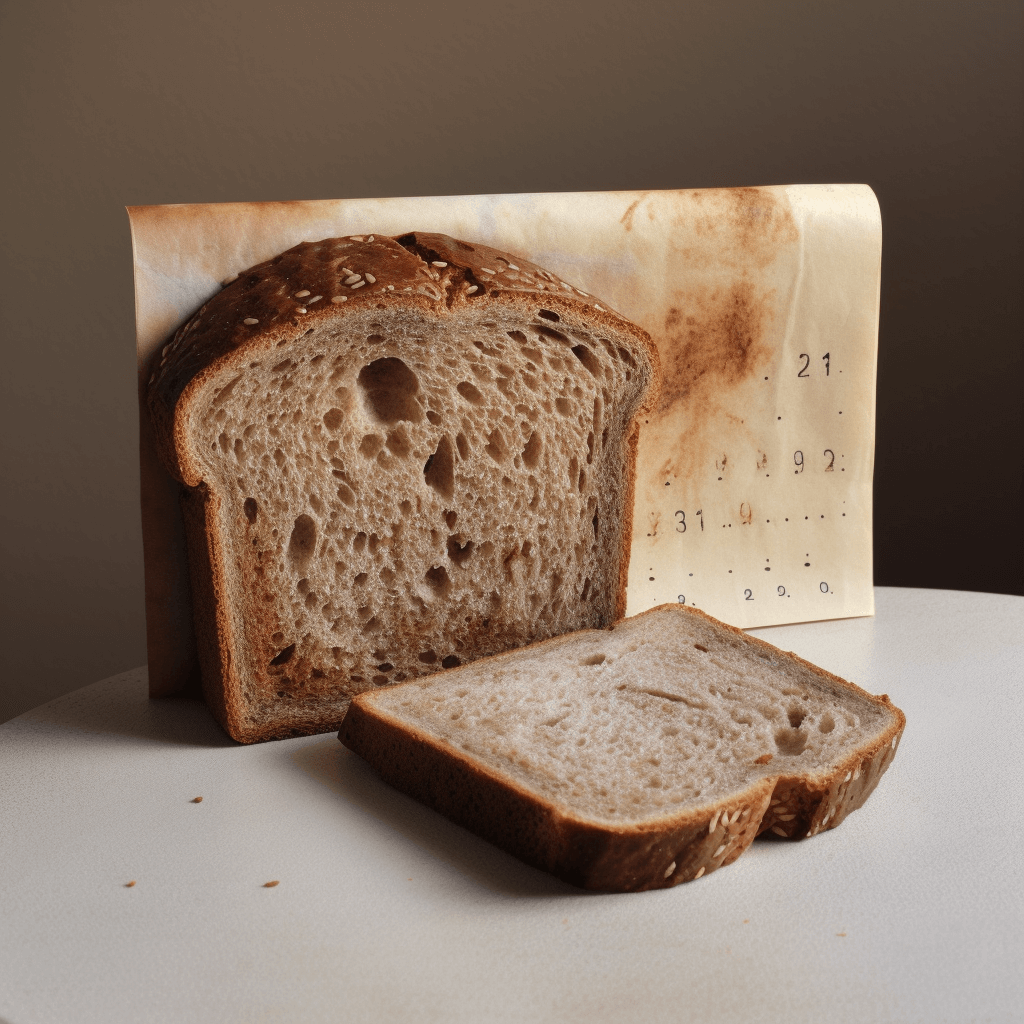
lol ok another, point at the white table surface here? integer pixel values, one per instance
(912, 910)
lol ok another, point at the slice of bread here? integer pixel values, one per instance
(636, 757)
(398, 455)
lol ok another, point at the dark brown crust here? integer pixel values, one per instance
(429, 272)
(598, 855)
(214, 634)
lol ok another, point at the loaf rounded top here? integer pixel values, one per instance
(277, 301)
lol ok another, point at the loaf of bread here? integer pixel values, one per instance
(399, 454)
(635, 757)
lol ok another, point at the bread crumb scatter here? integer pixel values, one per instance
(197, 800)
(129, 885)
(270, 885)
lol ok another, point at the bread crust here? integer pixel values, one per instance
(609, 856)
(271, 307)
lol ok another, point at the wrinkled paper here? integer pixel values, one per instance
(753, 491)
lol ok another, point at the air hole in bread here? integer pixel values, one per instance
(346, 494)
(563, 405)
(438, 580)
(452, 661)
(463, 445)
(590, 448)
(427, 657)
(389, 388)
(495, 446)
(359, 542)
(790, 741)
(470, 393)
(302, 542)
(550, 332)
(459, 553)
(701, 647)
(547, 314)
(595, 659)
(574, 470)
(520, 337)
(588, 359)
(333, 418)
(586, 589)
(251, 509)
(595, 522)
(284, 657)
(796, 717)
(370, 445)
(439, 471)
(827, 723)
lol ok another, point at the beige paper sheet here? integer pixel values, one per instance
(753, 497)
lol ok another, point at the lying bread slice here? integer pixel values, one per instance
(398, 455)
(636, 757)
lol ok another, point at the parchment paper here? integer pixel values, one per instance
(753, 498)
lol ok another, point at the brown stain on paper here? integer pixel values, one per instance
(718, 334)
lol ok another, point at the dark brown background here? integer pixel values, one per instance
(108, 104)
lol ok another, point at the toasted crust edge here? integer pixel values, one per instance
(659, 853)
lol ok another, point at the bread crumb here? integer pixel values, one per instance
(840, 935)
(128, 885)
(197, 800)
(270, 885)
